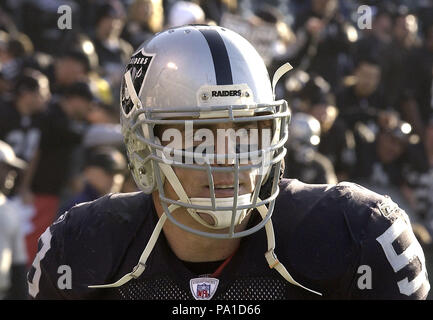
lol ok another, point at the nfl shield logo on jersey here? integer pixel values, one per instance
(203, 288)
(203, 291)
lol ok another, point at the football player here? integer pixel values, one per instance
(214, 220)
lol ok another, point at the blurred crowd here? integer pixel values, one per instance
(361, 93)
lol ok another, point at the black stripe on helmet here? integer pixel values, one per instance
(220, 56)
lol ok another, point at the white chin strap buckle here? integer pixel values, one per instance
(221, 218)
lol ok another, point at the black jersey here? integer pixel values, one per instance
(343, 241)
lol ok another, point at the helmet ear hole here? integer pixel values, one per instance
(142, 171)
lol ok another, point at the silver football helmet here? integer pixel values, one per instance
(196, 76)
(207, 75)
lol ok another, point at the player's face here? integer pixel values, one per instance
(196, 182)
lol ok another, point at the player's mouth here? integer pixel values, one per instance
(224, 190)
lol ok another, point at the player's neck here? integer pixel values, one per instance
(191, 247)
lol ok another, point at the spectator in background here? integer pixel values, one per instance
(103, 172)
(15, 56)
(303, 161)
(66, 130)
(269, 33)
(20, 118)
(103, 113)
(185, 12)
(361, 99)
(429, 142)
(271, 17)
(63, 128)
(312, 94)
(38, 19)
(419, 107)
(80, 64)
(375, 41)
(21, 122)
(383, 159)
(392, 40)
(13, 257)
(421, 181)
(68, 68)
(323, 39)
(214, 9)
(8, 16)
(396, 55)
(113, 52)
(397, 66)
(424, 11)
(145, 18)
(104, 109)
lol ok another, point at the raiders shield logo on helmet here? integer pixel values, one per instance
(137, 66)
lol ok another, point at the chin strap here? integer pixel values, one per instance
(139, 268)
(270, 256)
(279, 73)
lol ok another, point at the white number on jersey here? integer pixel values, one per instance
(46, 245)
(399, 261)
